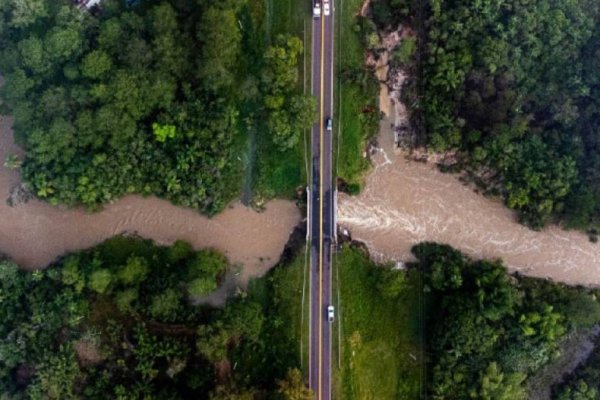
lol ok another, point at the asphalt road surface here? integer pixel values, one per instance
(322, 208)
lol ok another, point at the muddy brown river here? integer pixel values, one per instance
(406, 202)
(35, 233)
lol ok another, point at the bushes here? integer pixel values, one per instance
(489, 331)
(143, 98)
(114, 322)
(528, 121)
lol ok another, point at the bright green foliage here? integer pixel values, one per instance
(495, 385)
(100, 280)
(163, 132)
(201, 286)
(134, 271)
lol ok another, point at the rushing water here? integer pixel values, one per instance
(35, 233)
(406, 202)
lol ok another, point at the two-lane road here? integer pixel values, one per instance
(322, 207)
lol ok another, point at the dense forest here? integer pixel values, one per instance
(151, 97)
(514, 86)
(488, 331)
(118, 321)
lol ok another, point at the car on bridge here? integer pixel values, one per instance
(317, 8)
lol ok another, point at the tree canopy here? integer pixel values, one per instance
(118, 321)
(515, 87)
(140, 97)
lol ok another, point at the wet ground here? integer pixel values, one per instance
(406, 202)
(35, 233)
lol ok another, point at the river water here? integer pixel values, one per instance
(405, 202)
(35, 233)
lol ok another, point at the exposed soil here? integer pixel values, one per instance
(405, 202)
(34, 233)
(87, 353)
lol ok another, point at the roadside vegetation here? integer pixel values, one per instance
(381, 337)
(515, 89)
(358, 110)
(483, 331)
(118, 321)
(280, 163)
(155, 97)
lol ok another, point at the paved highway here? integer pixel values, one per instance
(322, 208)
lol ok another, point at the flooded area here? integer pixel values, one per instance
(35, 233)
(405, 202)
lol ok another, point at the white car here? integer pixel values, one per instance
(326, 8)
(330, 313)
(317, 9)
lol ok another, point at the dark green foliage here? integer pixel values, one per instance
(584, 382)
(488, 331)
(514, 87)
(137, 99)
(116, 322)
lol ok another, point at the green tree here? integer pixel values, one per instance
(134, 271)
(495, 385)
(202, 286)
(293, 387)
(163, 132)
(96, 64)
(56, 377)
(166, 305)
(26, 12)
(100, 280)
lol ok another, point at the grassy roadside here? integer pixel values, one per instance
(356, 97)
(381, 338)
(280, 293)
(279, 173)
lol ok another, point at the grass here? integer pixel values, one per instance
(353, 97)
(380, 336)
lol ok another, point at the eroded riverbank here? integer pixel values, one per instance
(35, 233)
(405, 202)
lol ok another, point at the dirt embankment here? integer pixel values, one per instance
(35, 233)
